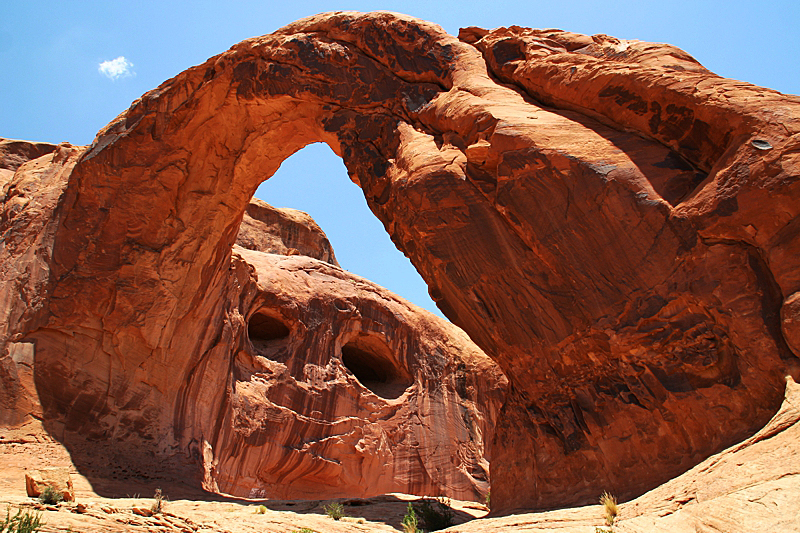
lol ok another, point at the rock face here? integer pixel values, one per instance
(345, 389)
(322, 384)
(14, 153)
(613, 224)
(283, 231)
(752, 486)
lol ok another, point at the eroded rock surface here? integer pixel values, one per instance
(613, 224)
(752, 486)
(283, 231)
(346, 389)
(323, 385)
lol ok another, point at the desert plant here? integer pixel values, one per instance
(304, 530)
(261, 509)
(51, 496)
(610, 508)
(435, 514)
(26, 522)
(158, 505)
(334, 510)
(488, 500)
(410, 521)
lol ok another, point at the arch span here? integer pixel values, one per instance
(585, 249)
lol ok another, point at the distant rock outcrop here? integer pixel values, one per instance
(613, 224)
(283, 231)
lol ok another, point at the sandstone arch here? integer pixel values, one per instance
(614, 255)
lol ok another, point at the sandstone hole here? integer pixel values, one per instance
(269, 336)
(263, 327)
(372, 365)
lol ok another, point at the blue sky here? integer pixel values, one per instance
(52, 89)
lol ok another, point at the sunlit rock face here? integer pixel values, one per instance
(613, 224)
(283, 231)
(342, 388)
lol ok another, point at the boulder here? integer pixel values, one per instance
(36, 481)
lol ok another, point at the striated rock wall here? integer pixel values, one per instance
(610, 222)
(346, 389)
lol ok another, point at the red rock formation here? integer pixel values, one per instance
(283, 231)
(14, 153)
(345, 389)
(614, 225)
(323, 385)
(36, 482)
(751, 486)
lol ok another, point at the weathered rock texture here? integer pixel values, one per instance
(14, 153)
(283, 231)
(616, 226)
(36, 482)
(321, 383)
(345, 389)
(752, 486)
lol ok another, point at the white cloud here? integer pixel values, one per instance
(116, 68)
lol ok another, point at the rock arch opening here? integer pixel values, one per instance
(373, 365)
(313, 180)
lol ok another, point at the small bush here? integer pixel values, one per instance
(51, 496)
(26, 522)
(410, 521)
(304, 530)
(158, 505)
(334, 510)
(488, 500)
(435, 514)
(610, 508)
(261, 509)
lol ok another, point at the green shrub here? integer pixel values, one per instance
(488, 500)
(26, 522)
(410, 521)
(334, 510)
(435, 514)
(261, 509)
(610, 508)
(51, 496)
(304, 530)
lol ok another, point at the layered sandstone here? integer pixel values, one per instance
(751, 486)
(612, 223)
(346, 389)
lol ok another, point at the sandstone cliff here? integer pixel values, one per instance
(612, 223)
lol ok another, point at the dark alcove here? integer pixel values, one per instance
(373, 365)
